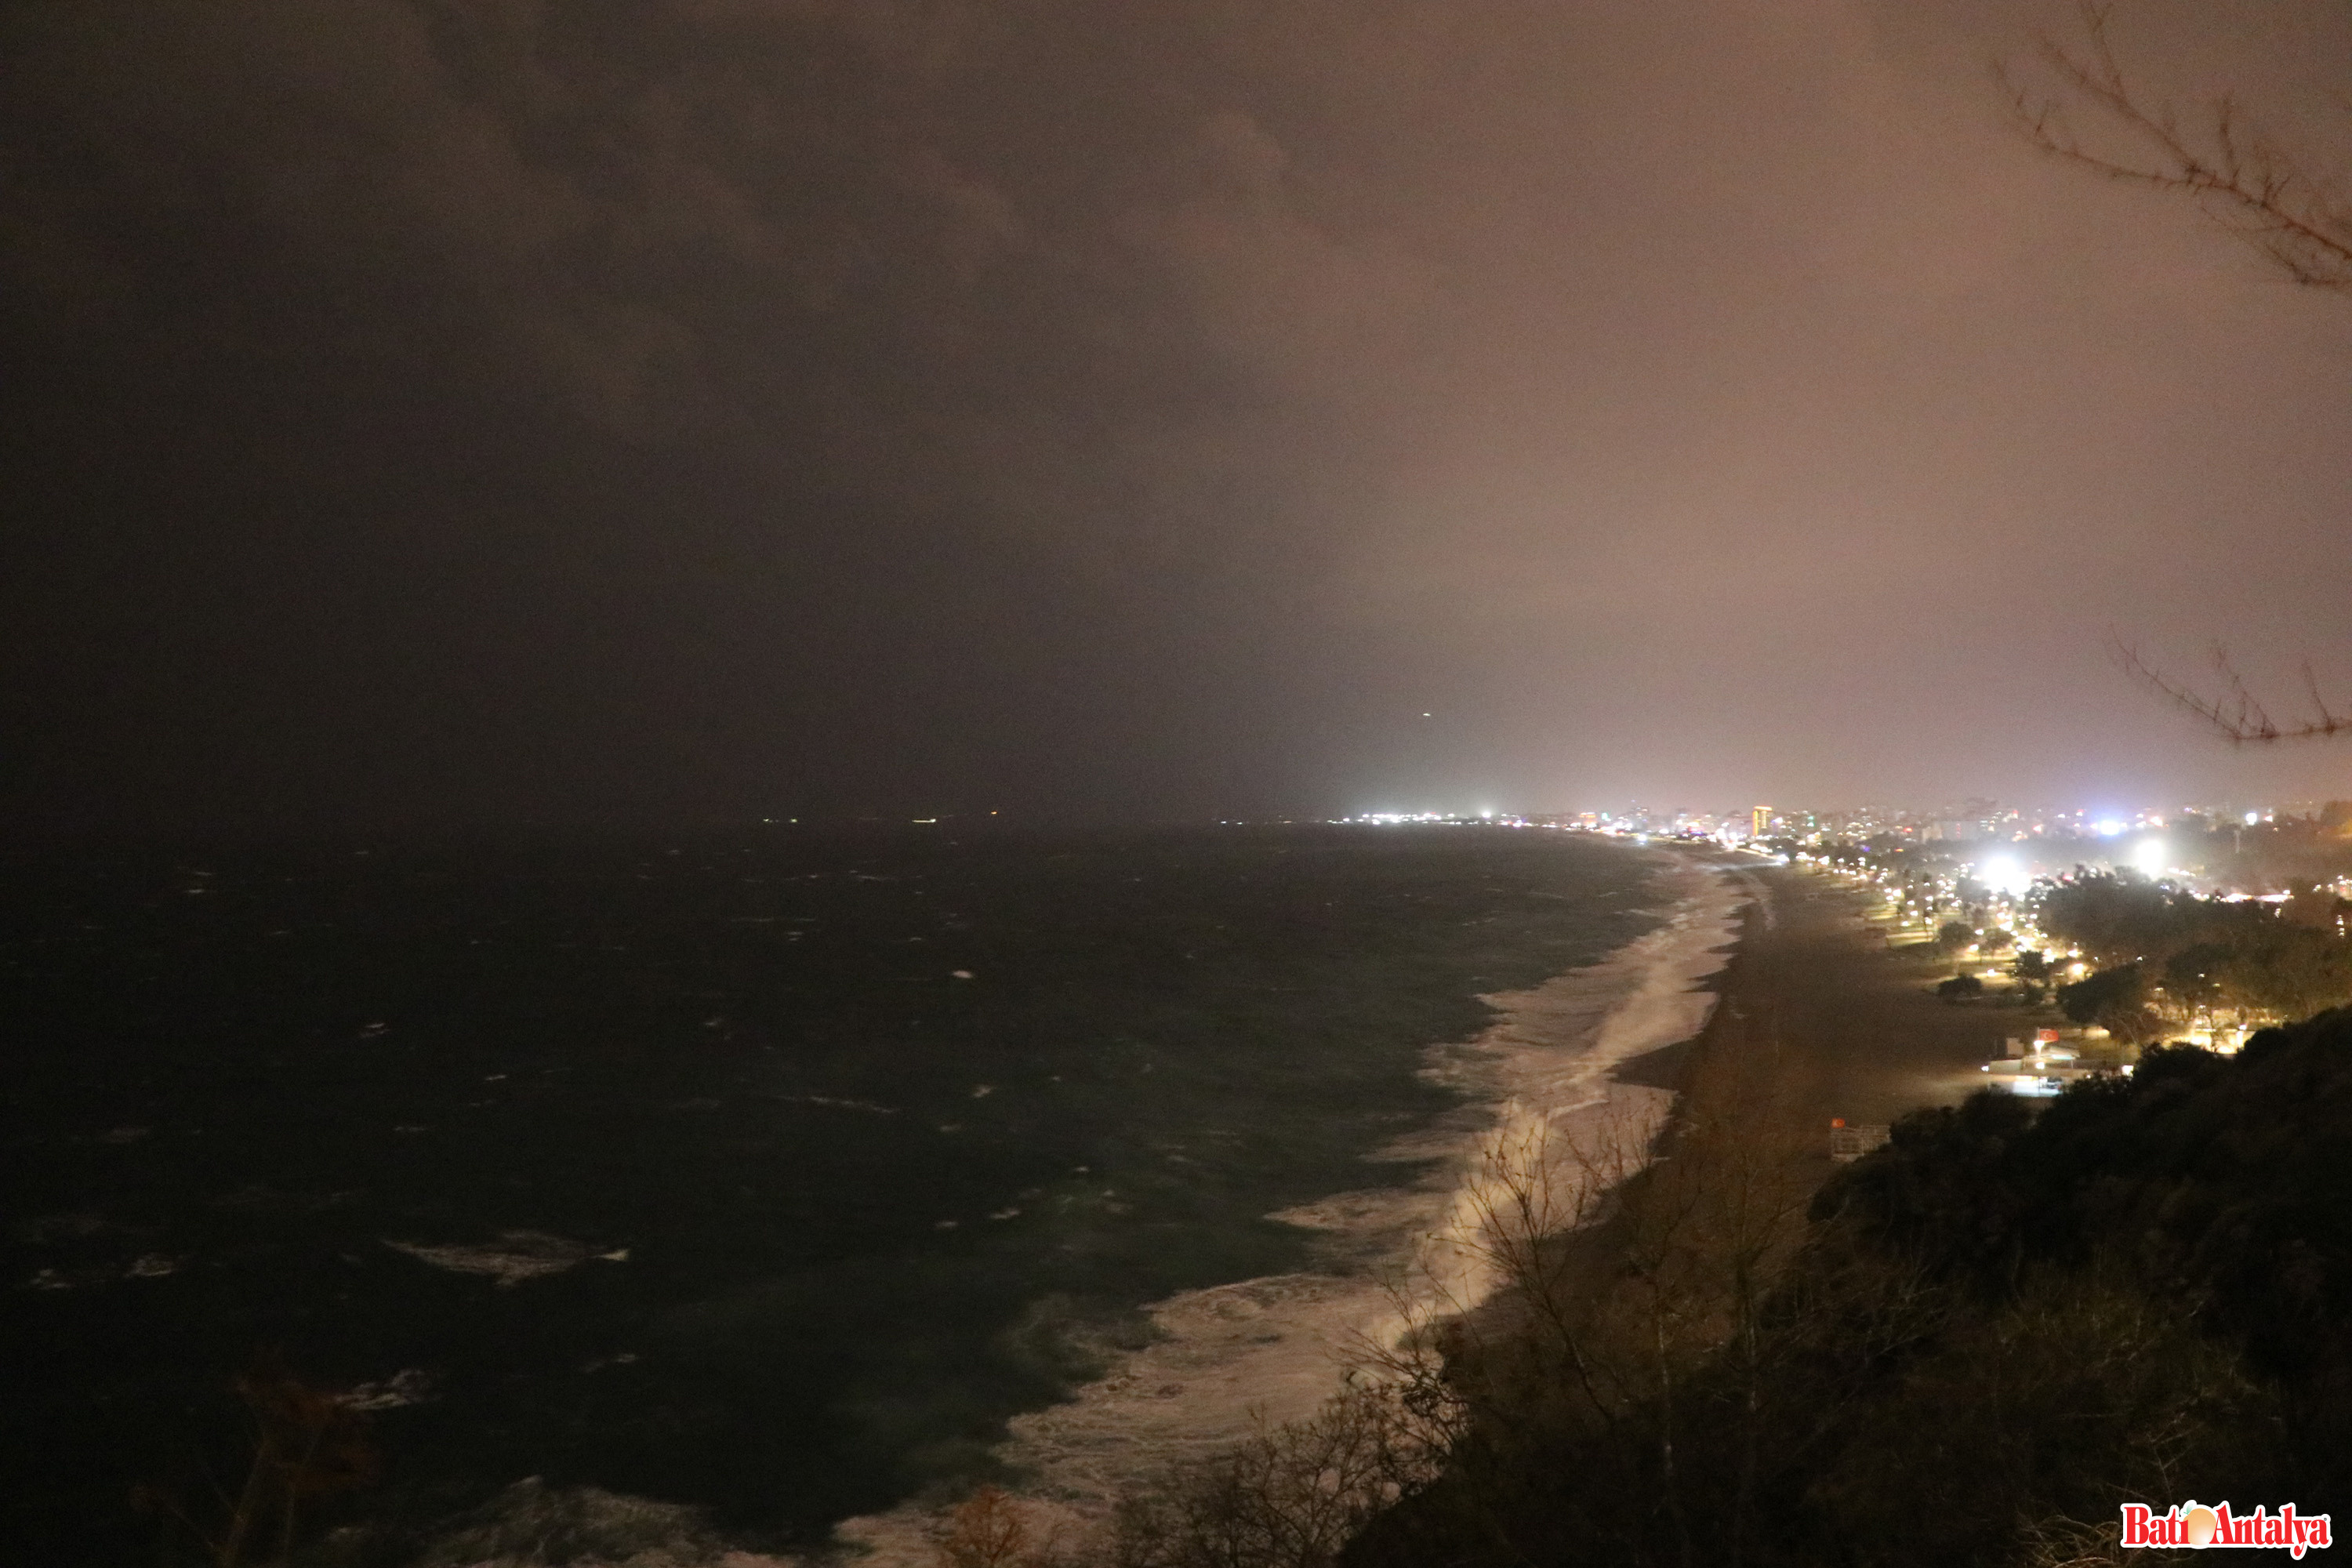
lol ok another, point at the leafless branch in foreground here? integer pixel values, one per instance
(2236, 713)
(2212, 155)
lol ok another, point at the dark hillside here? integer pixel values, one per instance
(1996, 1330)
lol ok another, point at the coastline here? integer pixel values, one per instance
(1836, 1029)
(1565, 1128)
(1808, 1024)
(1392, 1260)
(1746, 1019)
(1649, 1381)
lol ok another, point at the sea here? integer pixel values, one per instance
(770, 1187)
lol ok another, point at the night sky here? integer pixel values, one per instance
(664, 410)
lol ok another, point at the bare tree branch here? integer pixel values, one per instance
(2212, 153)
(2246, 183)
(2234, 713)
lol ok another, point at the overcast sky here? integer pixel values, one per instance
(692, 408)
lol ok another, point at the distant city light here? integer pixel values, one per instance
(2108, 826)
(2150, 856)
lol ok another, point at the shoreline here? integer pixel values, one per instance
(1808, 1024)
(1846, 1031)
(1841, 1030)
(1394, 1258)
(1568, 1130)
(1792, 1020)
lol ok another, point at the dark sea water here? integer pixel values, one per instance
(768, 1172)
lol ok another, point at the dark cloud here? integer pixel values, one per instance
(430, 407)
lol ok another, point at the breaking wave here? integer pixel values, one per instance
(1539, 1109)
(515, 1257)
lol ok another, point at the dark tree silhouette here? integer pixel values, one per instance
(2083, 108)
(2234, 712)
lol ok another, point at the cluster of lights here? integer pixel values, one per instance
(2144, 848)
(1914, 901)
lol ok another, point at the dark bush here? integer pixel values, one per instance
(1996, 1328)
(1960, 988)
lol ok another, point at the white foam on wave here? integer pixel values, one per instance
(1541, 1113)
(515, 1257)
(532, 1524)
(1560, 1131)
(410, 1385)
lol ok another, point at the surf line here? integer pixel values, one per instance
(1563, 1131)
(1538, 1112)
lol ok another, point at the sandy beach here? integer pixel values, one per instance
(1827, 1024)
(1812, 1022)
